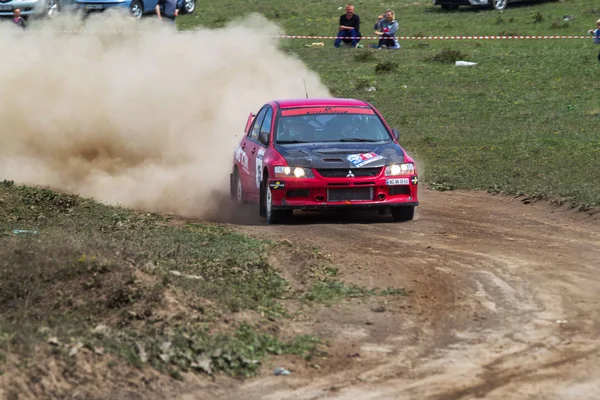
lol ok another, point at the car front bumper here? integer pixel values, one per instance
(369, 193)
(28, 8)
(92, 6)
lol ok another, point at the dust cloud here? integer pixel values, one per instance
(147, 118)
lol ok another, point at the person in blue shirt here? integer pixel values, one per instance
(167, 10)
(386, 28)
(596, 33)
(349, 28)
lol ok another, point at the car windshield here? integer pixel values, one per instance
(330, 124)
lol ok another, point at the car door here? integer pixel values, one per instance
(249, 149)
(149, 6)
(261, 145)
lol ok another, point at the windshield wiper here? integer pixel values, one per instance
(290, 141)
(357, 140)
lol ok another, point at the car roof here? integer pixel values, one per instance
(320, 102)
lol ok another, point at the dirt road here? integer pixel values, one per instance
(505, 305)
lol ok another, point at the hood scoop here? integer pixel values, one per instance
(339, 152)
(333, 160)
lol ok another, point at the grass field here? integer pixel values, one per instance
(525, 120)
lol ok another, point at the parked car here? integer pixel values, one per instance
(137, 8)
(34, 8)
(320, 154)
(454, 4)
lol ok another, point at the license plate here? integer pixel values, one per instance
(5, 8)
(93, 7)
(398, 181)
(349, 194)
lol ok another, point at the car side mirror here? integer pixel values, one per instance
(396, 133)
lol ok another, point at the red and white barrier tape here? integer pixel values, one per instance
(442, 37)
(375, 37)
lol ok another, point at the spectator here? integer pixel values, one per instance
(386, 28)
(349, 28)
(17, 19)
(596, 33)
(167, 9)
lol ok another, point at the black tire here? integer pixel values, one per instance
(238, 194)
(449, 7)
(499, 5)
(272, 216)
(188, 6)
(402, 214)
(136, 9)
(53, 11)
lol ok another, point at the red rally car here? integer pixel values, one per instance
(329, 153)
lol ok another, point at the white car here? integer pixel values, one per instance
(454, 4)
(33, 8)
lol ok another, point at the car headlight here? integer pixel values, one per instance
(400, 169)
(291, 172)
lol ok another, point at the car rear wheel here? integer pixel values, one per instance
(188, 6)
(402, 214)
(239, 190)
(137, 9)
(499, 4)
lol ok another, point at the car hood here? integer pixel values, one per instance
(335, 155)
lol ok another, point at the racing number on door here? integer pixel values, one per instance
(259, 165)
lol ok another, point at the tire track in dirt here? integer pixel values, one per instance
(505, 303)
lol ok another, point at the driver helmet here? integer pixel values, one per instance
(297, 128)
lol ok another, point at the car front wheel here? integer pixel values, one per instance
(402, 214)
(53, 8)
(137, 9)
(273, 216)
(449, 7)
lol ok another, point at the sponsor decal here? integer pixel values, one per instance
(397, 181)
(276, 185)
(327, 110)
(414, 180)
(358, 160)
(241, 157)
(261, 152)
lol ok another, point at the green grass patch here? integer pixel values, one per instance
(330, 290)
(386, 66)
(78, 274)
(446, 55)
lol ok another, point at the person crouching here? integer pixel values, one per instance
(18, 19)
(386, 28)
(349, 29)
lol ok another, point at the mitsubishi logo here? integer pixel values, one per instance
(350, 174)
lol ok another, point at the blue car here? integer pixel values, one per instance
(137, 8)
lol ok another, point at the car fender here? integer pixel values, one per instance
(270, 160)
